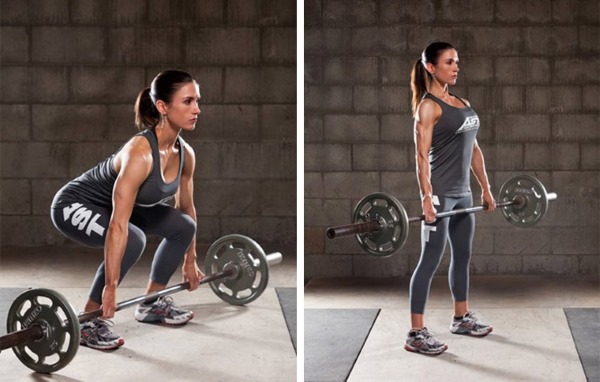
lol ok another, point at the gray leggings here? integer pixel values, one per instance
(87, 224)
(460, 230)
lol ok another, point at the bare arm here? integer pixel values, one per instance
(133, 164)
(427, 115)
(185, 203)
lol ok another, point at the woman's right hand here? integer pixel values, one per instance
(109, 302)
(429, 210)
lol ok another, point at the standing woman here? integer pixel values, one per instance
(446, 151)
(121, 200)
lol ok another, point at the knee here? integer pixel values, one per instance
(136, 241)
(188, 227)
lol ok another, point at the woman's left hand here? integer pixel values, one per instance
(193, 274)
(488, 199)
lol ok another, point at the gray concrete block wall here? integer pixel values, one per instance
(71, 70)
(531, 71)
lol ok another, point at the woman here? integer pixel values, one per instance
(121, 200)
(446, 150)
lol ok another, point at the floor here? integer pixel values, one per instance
(531, 339)
(222, 343)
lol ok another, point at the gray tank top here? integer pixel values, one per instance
(452, 149)
(96, 185)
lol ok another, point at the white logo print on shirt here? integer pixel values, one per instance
(470, 123)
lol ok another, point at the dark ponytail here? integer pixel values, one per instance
(420, 78)
(163, 87)
(419, 82)
(146, 113)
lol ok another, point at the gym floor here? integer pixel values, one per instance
(222, 343)
(531, 340)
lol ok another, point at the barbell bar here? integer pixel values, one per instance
(42, 324)
(381, 224)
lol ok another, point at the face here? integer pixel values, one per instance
(446, 69)
(183, 111)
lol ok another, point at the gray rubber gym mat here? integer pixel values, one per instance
(287, 300)
(333, 340)
(585, 329)
(7, 296)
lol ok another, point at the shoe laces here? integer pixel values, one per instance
(103, 326)
(471, 317)
(429, 338)
(166, 303)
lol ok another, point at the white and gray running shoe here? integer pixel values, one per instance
(97, 334)
(471, 325)
(163, 311)
(421, 341)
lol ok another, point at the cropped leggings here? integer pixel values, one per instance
(459, 229)
(87, 224)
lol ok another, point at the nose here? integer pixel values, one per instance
(196, 110)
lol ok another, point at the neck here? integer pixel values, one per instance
(166, 136)
(437, 88)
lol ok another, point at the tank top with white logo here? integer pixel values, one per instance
(452, 149)
(96, 185)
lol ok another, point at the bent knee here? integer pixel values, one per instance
(188, 226)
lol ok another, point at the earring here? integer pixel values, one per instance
(162, 123)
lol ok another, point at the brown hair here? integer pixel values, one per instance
(164, 85)
(420, 77)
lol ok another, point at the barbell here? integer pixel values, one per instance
(381, 224)
(44, 330)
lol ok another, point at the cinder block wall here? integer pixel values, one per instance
(69, 77)
(531, 71)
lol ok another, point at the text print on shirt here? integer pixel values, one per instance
(470, 123)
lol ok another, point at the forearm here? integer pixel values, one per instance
(478, 168)
(424, 175)
(114, 249)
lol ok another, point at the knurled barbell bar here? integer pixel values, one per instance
(44, 329)
(381, 224)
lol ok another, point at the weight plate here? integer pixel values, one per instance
(253, 269)
(388, 211)
(53, 312)
(535, 195)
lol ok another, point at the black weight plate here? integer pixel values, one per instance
(387, 209)
(249, 257)
(535, 195)
(53, 312)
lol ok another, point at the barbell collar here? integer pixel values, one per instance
(274, 258)
(353, 229)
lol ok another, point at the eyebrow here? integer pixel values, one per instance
(191, 97)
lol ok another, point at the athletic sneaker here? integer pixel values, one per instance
(471, 325)
(421, 341)
(97, 334)
(163, 311)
